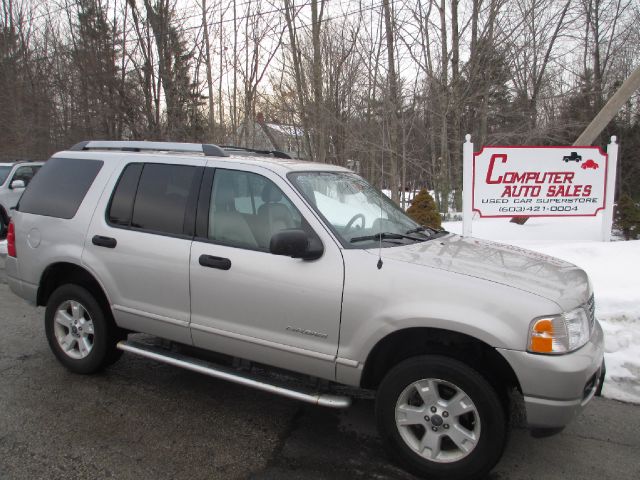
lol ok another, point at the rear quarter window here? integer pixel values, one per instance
(121, 206)
(60, 187)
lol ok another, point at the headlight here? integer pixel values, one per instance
(559, 333)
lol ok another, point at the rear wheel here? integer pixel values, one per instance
(80, 333)
(441, 419)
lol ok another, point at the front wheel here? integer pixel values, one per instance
(441, 419)
(81, 334)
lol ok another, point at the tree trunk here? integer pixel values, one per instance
(207, 50)
(299, 78)
(394, 106)
(318, 100)
(445, 171)
(456, 103)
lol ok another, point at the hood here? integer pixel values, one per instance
(549, 277)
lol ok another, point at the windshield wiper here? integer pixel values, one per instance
(385, 236)
(421, 229)
(416, 230)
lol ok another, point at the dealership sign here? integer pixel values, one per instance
(539, 182)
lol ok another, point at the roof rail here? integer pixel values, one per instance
(275, 153)
(16, 162)
(209, 150)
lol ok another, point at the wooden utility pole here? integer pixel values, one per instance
(602, 119)
(610, 110)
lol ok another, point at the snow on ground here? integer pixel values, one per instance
(614, 269)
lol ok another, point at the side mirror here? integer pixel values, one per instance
(17, 184)
(296, 244)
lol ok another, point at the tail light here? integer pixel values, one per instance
(11, 240)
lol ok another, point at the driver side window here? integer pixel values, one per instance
(247, 209)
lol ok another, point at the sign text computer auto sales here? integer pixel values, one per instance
(539, 181)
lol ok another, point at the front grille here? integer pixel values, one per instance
(591, 312)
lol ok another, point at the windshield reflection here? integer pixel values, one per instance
(354, 209)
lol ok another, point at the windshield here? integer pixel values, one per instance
(4, 173)
(357, 212)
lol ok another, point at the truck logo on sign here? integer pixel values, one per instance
(574, 157)
(539, 181)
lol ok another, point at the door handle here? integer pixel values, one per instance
(106, 242)
(215, 262)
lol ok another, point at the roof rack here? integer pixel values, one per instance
(16, 162)
(209, 150)
(275, 153)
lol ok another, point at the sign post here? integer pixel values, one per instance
(607, 217)
(467, 186)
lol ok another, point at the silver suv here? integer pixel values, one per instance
(304, 267)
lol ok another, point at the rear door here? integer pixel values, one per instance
(53, 214)
(249, 303)
(139, 243)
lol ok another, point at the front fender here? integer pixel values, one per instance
(378, 302)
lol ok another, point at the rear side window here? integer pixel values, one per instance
(153, 197)
(59, 187)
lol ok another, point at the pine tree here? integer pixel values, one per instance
(423, 210)
(628, 217)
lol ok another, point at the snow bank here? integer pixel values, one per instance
(614, 269)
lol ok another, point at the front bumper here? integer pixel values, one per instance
(557, 387)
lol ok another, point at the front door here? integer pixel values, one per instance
(249, 303)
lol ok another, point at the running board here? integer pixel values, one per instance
(216, 371)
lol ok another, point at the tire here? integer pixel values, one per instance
(465, 445)
(81, 334)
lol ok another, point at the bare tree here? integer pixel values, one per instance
(388, 89)
(394, 101)
(208, 61)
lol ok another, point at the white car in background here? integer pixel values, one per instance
(14, 178)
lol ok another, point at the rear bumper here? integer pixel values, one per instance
(21, 288)
(557, 388)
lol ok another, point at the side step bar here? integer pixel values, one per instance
(216, 371)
